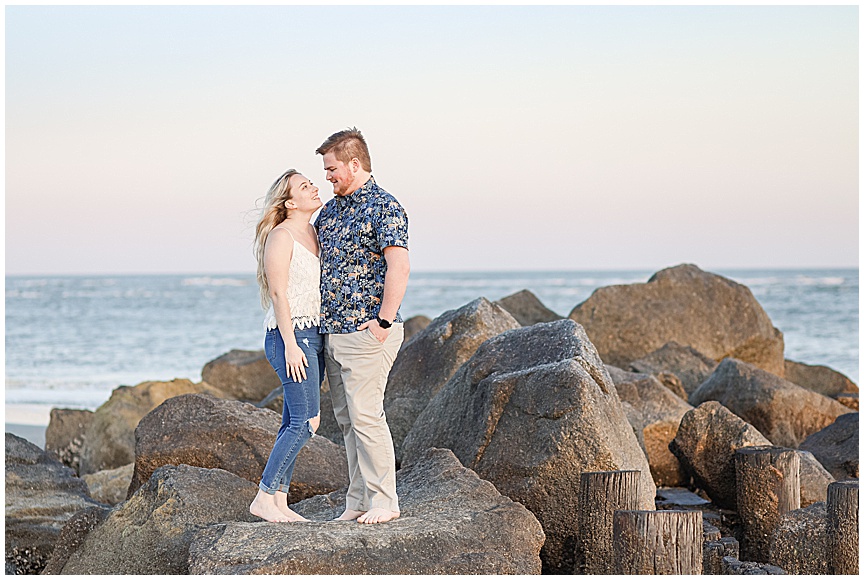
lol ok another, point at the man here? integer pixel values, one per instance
(364, 271)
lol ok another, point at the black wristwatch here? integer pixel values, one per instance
(383, 323)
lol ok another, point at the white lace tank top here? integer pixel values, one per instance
(304, 290)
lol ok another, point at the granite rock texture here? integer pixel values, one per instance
(245, 375)
(207, 432)
(42, 494)
(714, 315)
(109, 440)
(530, 411)
(150, 533)
(429, 360)
(452, 522)
(782, 411)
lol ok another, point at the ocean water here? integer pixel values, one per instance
(70, 340)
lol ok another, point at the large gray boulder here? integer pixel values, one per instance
(72, 536)
(208, 432)
(660, 413)
(109, 440)
(245, 375)
(110, 486)
(685, 362)
(413, 326)
(799, 544)
(42, 494)
(815, 479)
(526, 308)
(836, 446)
(530, 411)
(706, 442)
(818, 378)
(452, 522)
(782, 411)
(64, 436)
(716, 316)
(429, 360)
(150, 532)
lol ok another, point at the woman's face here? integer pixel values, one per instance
(304, 195)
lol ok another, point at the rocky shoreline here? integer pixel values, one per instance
(497, 411)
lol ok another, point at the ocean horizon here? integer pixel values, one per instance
(72, 339)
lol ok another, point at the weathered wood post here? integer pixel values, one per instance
(601, 493)
(767, 486)
(842, 508)
(657, 542)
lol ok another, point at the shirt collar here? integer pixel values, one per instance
(362, 194)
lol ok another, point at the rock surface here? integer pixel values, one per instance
(64, 436)
(527, 309)
(685, 362)
(414, 325)
(207, 432)
(836, 446)
(41, 495)
(72, 536)
(660, 413)
(452, 522)
(110, 486)
(782, 411)
(716, 316)
(848, 399)
(432, 356)
(530, 411)
(245, 375)
(814, 479)
(150, 533)
(818, 378)
(799, 544)
(706, 443)
(109, 440)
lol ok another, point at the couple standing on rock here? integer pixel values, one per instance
(333, 293)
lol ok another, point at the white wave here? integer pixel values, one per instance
(24, 294)
(810, 281)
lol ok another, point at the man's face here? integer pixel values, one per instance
(339, 174)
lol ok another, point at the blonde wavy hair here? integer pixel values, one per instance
(273, 213)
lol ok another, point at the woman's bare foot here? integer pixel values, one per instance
(377, 516)
(282, 504)
(349, 515)
(264, 506)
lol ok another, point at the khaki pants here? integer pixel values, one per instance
(357, 368)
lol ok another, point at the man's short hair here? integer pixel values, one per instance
(346, 145)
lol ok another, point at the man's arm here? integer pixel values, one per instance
(395, 283)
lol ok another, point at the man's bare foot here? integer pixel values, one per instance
(377, 516)
(264, 506)
(282, 503)
(349, 515)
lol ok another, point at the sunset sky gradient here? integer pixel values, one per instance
(138, 139)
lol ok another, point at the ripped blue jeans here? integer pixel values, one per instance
(301, 403)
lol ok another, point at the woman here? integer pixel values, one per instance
(286, 246)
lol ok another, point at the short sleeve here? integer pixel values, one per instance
(392, 225)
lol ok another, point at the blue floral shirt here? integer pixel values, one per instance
(353, 231)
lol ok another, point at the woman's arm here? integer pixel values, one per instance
(278, 251)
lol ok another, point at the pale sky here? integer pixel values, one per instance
(546, 138)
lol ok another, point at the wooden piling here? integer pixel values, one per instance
(657, 542)
(601, 493)
(842, 527)
(767, 486)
